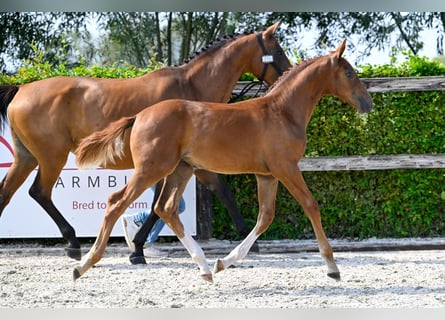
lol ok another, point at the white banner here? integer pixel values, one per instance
(81, 196)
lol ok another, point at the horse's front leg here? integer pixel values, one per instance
(294, 182)
(167, 209)
(267, 190)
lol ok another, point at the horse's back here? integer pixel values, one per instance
(207, 135)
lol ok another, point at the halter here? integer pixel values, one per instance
(267, 59)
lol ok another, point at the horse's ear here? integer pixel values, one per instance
(340, 49)
(271, 30)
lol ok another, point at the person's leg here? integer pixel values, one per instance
(181, 208)
(154, 233)
(131, 223)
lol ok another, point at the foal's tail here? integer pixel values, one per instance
(104, 146)
(7, 93)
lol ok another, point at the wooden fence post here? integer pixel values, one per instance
(204, 212)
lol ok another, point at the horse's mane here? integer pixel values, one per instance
(297, 68)
(215, 45)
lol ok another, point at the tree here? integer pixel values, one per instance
(140, 38)
(22, 32)
(381, 29)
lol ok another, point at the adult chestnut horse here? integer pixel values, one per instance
(49, 117)
(265, 136)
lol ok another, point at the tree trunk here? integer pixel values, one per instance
(158, 39)
(188, 36)
(169, 39)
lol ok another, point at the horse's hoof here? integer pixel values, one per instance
(137, 260)
(334, 275)
(74, 253)
(207, 277)
(76, 274)
(219, 266)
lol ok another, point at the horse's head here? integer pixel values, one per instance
(346, 84)
(269, 60)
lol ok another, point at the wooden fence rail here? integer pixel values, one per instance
(374, 162)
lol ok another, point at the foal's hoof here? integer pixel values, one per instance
(219, 266)
(137, 260)
(207, 277)
(74, 253)
(334, 275)
(76, 274)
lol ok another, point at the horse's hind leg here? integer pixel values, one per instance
(51, 162)
(215, 184)
(117, 203)
(167, 209)
(41, 192)
(267, 190)
(24, 162)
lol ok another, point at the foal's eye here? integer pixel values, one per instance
(349, 74)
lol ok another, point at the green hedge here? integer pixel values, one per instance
(355, 204)
(363, 204)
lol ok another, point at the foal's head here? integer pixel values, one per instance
(345, 84)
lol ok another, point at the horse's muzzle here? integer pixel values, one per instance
(364, 103)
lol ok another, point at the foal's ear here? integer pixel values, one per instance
(271, 30)
(340, 49)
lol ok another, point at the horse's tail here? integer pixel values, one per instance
(104, 146)
(7, 93)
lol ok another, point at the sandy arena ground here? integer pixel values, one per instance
(42, 277)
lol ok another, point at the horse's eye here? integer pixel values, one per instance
(349, 74)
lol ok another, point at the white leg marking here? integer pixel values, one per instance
(196, 253)
(241, 250)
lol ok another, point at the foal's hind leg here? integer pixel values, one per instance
(267, 190)
(167, 209)
(117, 203)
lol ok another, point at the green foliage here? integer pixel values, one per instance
(363, 204)
(38, 68)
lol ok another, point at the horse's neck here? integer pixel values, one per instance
(215, 75)
(299, 95)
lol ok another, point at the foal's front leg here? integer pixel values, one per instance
(296, 185)
(267, 190)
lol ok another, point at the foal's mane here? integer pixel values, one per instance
(215, 45)
(295, 69)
